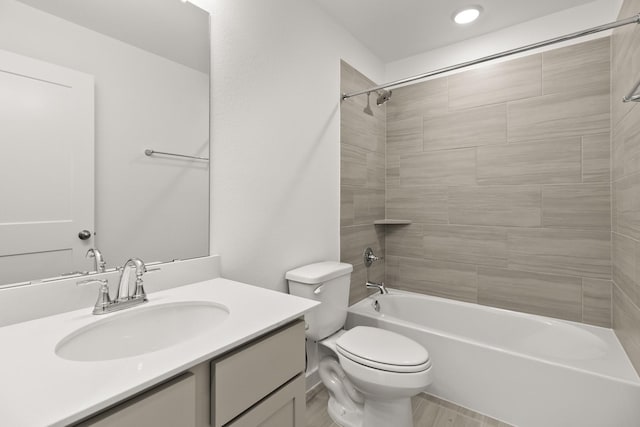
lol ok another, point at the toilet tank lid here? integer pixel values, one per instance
(319, 272)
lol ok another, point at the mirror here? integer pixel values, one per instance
(85, 88)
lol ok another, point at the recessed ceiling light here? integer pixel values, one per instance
(467, 15)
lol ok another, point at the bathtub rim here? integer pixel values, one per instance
(364, 307)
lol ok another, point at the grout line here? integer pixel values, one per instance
(611, 302)
(541, 206)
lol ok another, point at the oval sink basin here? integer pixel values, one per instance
(141, 330)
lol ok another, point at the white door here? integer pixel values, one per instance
(46, 168)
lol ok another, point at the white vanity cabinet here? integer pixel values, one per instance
(260, 383)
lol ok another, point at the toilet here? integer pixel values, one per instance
(370, 373)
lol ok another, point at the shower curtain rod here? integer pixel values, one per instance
(633, 20)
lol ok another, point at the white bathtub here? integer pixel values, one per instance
(526, 370)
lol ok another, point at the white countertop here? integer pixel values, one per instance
(38, 388)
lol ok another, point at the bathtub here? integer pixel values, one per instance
(523, 369)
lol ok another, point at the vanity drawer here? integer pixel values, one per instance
(168, 405)
(284, 408)
(244, 377)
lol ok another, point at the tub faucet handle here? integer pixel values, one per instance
(370, 257)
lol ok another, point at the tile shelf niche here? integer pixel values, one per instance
(392, 222)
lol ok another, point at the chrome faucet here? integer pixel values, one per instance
(379, 286)
(124, 298)
(100, 264)
(124, 293)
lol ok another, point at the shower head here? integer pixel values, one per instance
(367, 109)
(383, 96)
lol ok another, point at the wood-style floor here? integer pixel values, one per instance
(428, 411)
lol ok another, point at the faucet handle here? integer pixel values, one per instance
(91, 282)
(139, 292)
(370, 257)
(104, 300)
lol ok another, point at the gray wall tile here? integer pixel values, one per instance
(625, 260)
(430, 97)
(544, 294)
(582, 206)
(376, 170)
(508, 205)
(393, 171)
(629, 134)
(362, 204)
(404, 240)
(361, 134)
(625, 68)
(358, 290)
(439, 278)
(596, 302)
(625, 145)
(354, 239)
(347, 208)
(627, 207)
(404, 135)
(353, 165)
(466, 244)
(540, 162)
(362, 180)
(448, 167)
(626, 318)
(559, 116)
(418, 204)
(466, 128)
(596, 153)
(583, 66)
(617, 151)
(506, 81)
(392, 271)
(584, 253)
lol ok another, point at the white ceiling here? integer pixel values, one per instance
(397, 29)
(169, 28)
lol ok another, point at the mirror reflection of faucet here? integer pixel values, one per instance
(100, 265)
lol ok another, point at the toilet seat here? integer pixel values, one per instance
(383, 366)
(384, 350)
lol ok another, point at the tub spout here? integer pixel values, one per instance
(379, 286)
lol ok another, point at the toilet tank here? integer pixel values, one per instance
(327, 282)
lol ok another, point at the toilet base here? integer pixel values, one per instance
(385, 413)
(396, 413)
(343, 417)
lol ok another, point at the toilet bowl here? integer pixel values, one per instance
(370, 373)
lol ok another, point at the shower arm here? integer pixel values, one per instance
(633, 20)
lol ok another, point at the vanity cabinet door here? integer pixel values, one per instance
(250, 375)
(171, 404)
(285, 408)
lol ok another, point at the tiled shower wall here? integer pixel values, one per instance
(362, 180)
(625, 177)
(504, 171)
